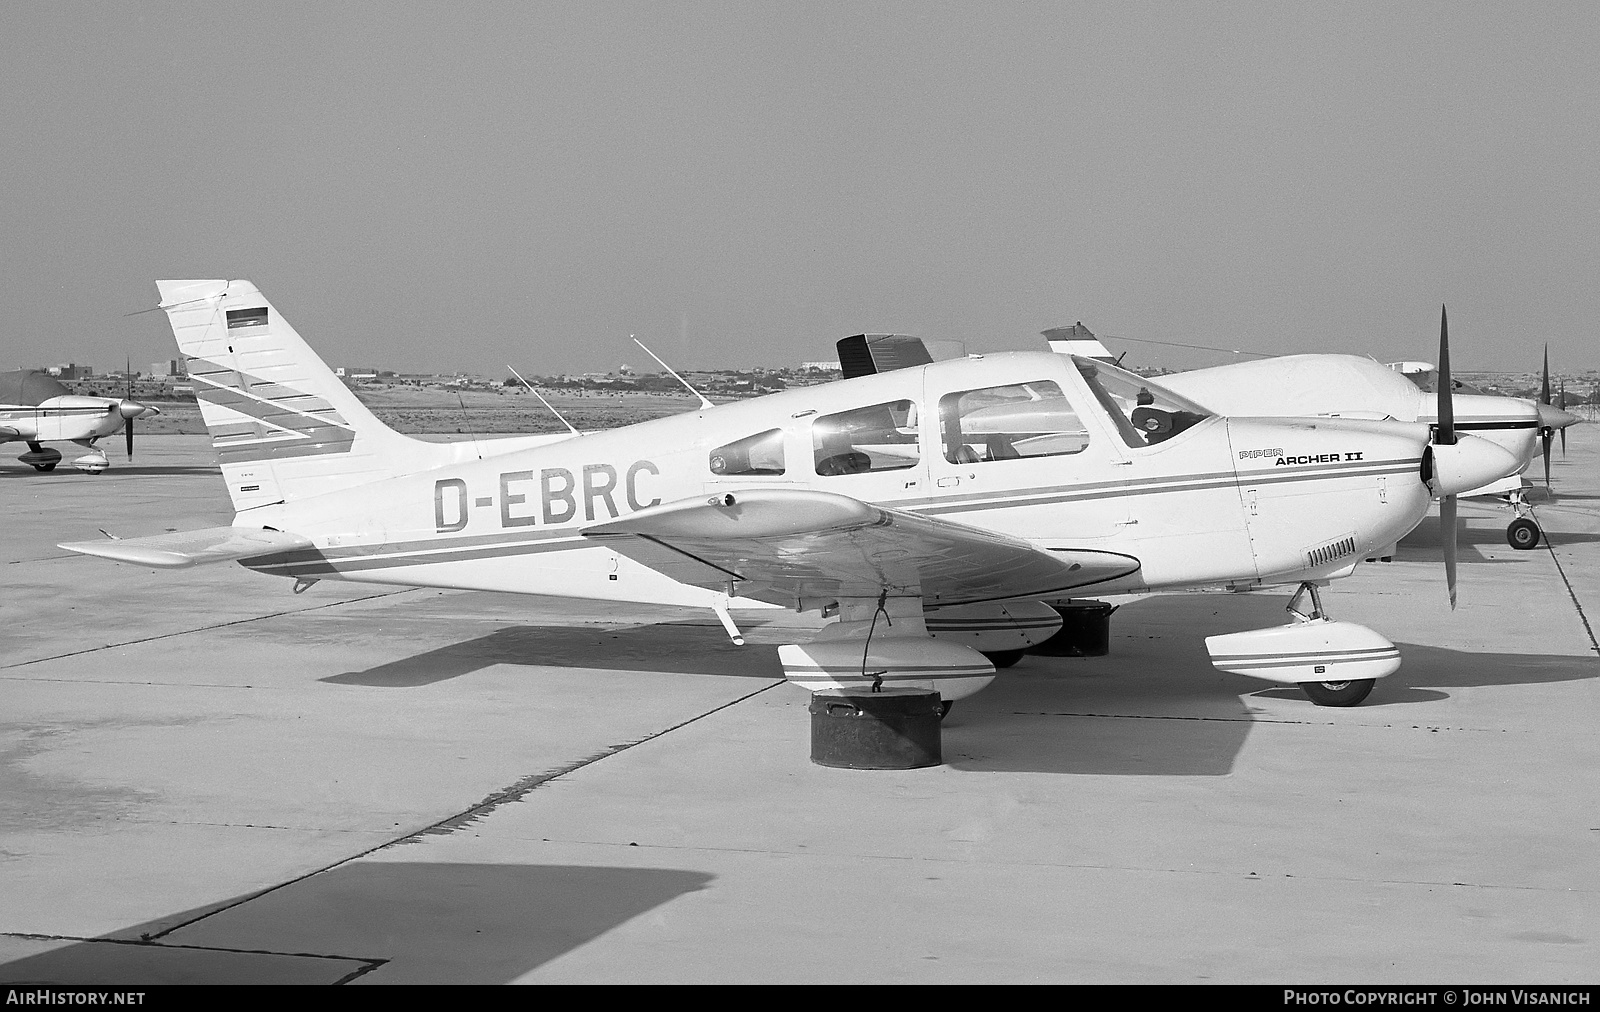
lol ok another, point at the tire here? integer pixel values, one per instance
(1002, 658)
(46, 467)
(1523, 534)
(1338, 693)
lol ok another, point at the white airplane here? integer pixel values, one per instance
(36, 408)
(934, 512)
(1348, 386)
(1323, 386)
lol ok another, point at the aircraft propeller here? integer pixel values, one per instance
(1445, 435)
(1546, 433)
(1563, 396)
(130, 409)
(127, 426)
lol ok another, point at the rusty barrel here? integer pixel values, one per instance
(893, 729)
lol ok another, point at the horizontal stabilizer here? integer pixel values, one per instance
(192, 548)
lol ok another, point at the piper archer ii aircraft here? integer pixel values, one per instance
(36, 408)
(1348, 386)
(934, 512)
(1320, 386)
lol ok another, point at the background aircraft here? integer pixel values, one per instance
(35, 408)
(975, 492)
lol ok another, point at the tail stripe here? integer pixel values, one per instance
(277, 421)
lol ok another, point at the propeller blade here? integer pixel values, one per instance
(127, 427)
(1446, 432)
(1544, 386)
(1447, 540)
(1547, 437)
(1563, 428)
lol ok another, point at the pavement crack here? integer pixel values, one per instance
(515, 792)
(370, 963)
(520, 789)
(206, 628)
(1248, 719)
(1550, 547)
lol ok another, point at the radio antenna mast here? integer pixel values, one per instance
(546, 403)
(703, 402)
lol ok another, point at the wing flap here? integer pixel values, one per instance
(789, 544)
(192, 548)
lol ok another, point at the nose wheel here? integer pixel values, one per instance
(1338, 693)
(1523, 534)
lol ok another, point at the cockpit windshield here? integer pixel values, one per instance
(1144, 412)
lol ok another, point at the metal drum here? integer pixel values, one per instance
(1085, 631)
(894, 729)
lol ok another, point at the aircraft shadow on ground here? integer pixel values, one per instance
(1165, 711)
(403, 922)
(1425, 541)
(668, 647)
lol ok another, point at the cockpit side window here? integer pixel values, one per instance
(879, 437)
(1145, 413)
(1008, 423)
(761, 453)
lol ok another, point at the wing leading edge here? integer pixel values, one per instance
(790, 546)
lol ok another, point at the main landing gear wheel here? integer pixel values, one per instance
(1338, 693)
(1003, 658)
(46, 467)
(1523, 534)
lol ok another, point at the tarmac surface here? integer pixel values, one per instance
(207, 778)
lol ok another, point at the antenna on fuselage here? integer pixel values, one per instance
(468, 422)
(546, 403)
(703, 402)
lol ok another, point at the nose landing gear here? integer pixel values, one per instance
(1523, 533)
(1334, 663)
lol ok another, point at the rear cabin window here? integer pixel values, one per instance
(1008, 423)
(761, 453)
(879, 437)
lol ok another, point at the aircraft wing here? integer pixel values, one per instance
(192, 548)
(784, 545)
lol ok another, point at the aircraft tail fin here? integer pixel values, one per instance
(1077, 340)
(283, 425)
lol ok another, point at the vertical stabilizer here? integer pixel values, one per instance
(1077, 340)
(283, 425)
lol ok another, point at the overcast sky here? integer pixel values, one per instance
(431, 187)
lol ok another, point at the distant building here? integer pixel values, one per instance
(70, 371)
(172, 368)
(820, 366)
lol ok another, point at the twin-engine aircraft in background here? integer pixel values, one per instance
(35, 408)
(935, 512)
